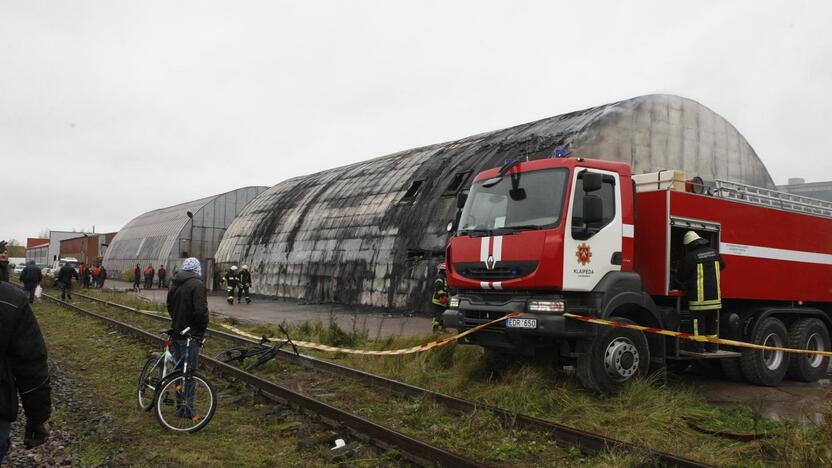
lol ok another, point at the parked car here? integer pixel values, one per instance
(18, 268)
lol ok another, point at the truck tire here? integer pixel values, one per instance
(616, 356)
(763, 367)
(808, 333)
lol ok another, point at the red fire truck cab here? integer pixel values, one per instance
(587, 237)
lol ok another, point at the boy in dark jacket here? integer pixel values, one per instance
(24, 370)
(188, 308)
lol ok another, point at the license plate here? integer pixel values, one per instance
(521, 323)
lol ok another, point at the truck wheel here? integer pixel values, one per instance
(763, 367)
(809, 334)
(615, 357)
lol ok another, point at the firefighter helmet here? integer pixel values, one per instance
(690, 237)
(233, 267)
(245, 267)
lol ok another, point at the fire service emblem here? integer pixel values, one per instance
(584, 254)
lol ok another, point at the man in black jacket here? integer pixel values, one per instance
(31, 277)
(23, 369)
(64, 280)
(4, 262)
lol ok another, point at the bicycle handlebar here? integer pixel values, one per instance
(170, 333)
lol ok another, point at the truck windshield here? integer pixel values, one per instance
(520, 201)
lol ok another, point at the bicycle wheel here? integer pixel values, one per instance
(185, 403)
(232, 355)
(149, 381)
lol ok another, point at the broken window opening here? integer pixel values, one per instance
(413, 191)
(457, 182)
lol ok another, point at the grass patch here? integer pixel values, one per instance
(107, 363)
(645, 413)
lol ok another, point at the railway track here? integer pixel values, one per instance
(588, 442)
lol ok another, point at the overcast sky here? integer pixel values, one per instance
(111, 109)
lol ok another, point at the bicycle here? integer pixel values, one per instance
(185, 401)
(155, 369)
(262, 351)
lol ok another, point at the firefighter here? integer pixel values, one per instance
(245, 283)
(440, 297)
(700, 273)
(232, 279)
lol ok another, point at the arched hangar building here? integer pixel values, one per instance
(169, 235)
(371, 233)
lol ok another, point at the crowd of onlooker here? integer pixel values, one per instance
(149, 273)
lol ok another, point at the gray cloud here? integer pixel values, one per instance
(110, 109)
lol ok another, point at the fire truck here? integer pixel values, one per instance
(587, 237)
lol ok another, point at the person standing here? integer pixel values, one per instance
(162, 274)
(188, 308)
(103, 277)
(82, 268)
(65, 275)
(137, 274)
(439, 301)
(149, 272)
(245, 283)
(86, 276)
(25, 370)
(700, 273)
(96, 275)
(4, 262)
(232, 279)
(31, 276)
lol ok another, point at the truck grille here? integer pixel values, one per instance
(501, 271)
(483, 315)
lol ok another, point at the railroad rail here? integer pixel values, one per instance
(587, 442)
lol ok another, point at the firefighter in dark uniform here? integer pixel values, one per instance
(232, 280)
(700, 273)
(440, 297)
(245, 283)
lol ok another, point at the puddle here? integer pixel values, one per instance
(792, 401)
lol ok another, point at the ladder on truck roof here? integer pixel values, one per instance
(771, 198)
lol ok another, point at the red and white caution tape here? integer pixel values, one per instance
(691, 336)
(392, 352)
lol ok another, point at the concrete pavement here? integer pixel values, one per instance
(275, 311)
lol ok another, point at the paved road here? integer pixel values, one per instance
(275, 311)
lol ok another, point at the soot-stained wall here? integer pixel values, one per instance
(373, 232)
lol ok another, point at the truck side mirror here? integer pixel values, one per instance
(592, 181)
(593, 209)
(461, 199)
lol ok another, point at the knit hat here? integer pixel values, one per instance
(192, 264)
(2, 246)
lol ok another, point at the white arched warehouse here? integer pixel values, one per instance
(168, 235)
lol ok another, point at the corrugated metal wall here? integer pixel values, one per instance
(354, 235)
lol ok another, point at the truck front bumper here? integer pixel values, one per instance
(551, 327)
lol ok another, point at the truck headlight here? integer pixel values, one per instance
(454, 302)
(546, 306)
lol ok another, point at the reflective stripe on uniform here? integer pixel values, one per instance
(700, 283)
